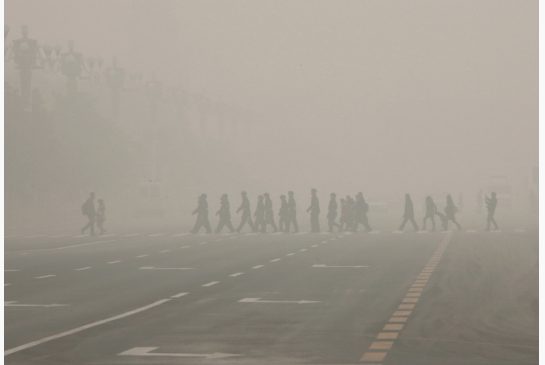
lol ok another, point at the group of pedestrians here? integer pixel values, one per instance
(353, 214)
(96, 215)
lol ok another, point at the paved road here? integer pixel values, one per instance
(169, 298)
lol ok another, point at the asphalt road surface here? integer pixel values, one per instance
(171, 298)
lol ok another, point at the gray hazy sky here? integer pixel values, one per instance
(423, 93)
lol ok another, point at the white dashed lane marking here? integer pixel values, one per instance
(140, 256)
(257, 266)
(275, 260)
(45, 276)
(83, 268)
(210, 283)
(114, 262)
(236, 274)
(179, 295)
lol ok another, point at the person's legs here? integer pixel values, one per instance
(405, 220)
(230, 226)
(207, 225)
(415, 226)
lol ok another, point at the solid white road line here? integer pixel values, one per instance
(83, 268)
(210, 283)
(83, 328)
(44, 276)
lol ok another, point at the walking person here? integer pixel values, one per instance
(431, 211)
(224, 213)
(246, 217)
(259, 215)
(314, 210)
(408, 214)
(101, 216)
(292, 213)
(88, 210)
(450, 212)
(491, 203)
(283, 214)
(332, 213)
(361, 208)
(269, 212)
(202, 216)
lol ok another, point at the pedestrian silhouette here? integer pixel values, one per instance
(224, 214)
(246, 217)
(332, 213)
(101, 216)
(88, 210)
(431, 211)
(450, 213)
(343, 221)
(283, 214)
(361, 208)
(202, 216)
(26, 53)
(292, 211)
(408, 214)
(314, 210)
(259, 214)
(72, 65)
(350, 214)
(491, 204)
(269, 213)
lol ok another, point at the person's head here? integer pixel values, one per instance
(70, 45)
(260, 197)
(244, 194)
(313, 191)
(92, 195)
(203, 196)
(224, 197)
(24, 31)
(407, 197)
(332, 195)
(290, 194)
(100, 201)
(493, 194)
(266, 195)
(449, 199)
(282, 197)
(428, 199)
